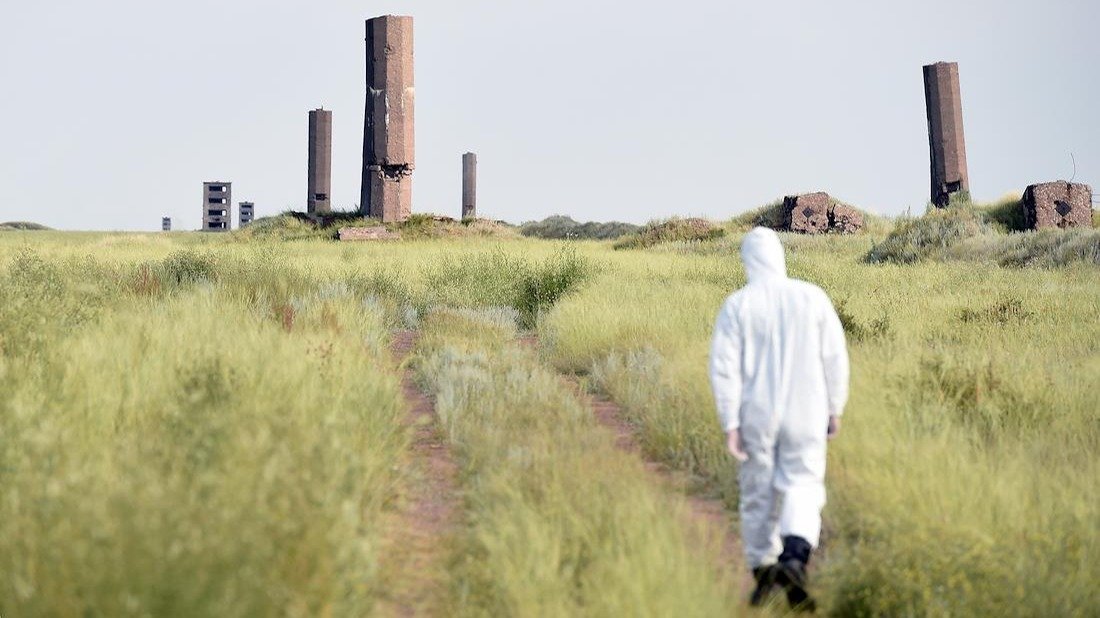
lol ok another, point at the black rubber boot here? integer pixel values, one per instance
(765, 584)
(791, 573)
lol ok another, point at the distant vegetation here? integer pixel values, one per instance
(671, 230)
(771, 215)
(560, 227)
(293, 225)
(23, 226)
(984, 232)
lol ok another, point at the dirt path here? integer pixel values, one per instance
(711, 513)
(420, 537)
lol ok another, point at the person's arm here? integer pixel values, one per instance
(834, 359)
(725, 378)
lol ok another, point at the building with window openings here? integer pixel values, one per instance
(217, 206)
(246, 211)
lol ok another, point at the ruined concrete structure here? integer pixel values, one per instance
(217, 205)
(943, 102)
(469, 185)
(246, 211)
(1057, 204)
(166, 224)
(817, 213)
(845, 219)
(807, 213)
(388, 141)
(319, 180)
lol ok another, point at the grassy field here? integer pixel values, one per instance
(207, 425)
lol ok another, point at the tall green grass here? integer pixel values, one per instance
(962, 482)
(171, 447)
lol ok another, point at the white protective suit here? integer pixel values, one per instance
(779, 369)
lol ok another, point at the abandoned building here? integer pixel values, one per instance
(246, 212)
(1057, 204)
(817, 213)
(943, 101)
(217, 205)
(319, 180)
(469, 185)
(807, 213)
(388, 136)
(166, 224)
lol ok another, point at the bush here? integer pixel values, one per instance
(1044, 248)
(1006, 214)
(186, 267)
(561, 228)
(769, 215)
(499, 280)
(917, 239)
(672, 230)
(23, 226)
(287, 226)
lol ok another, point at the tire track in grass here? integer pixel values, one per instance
(710, 513)
(420, 539)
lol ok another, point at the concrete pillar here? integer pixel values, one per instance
(388, 139)
(943, 101)
(166, 224)
(319, 175)
(469, 185)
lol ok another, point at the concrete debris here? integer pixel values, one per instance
(1057, 204)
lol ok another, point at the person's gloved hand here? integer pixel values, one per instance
(733, 443)
(834, 427)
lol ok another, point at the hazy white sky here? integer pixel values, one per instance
(115, 112)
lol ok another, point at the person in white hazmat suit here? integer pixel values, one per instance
(779, 371)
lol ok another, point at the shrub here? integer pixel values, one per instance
(1004, 311)
(917, 239)
(561, 228)
(544, 284)
(769, 215)
(672, 230)
(857, 330)
(498, 280)
(186, 267)
(26, 226)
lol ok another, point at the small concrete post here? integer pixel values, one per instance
(469, 186)
(943, 101)
(388, 136)
(319, 173)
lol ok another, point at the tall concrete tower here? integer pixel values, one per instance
(947, 146)
(247, 212)
(217, 206)
(388, 138)
(469, 185)
(320, 162)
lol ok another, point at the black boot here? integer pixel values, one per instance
(765, 584)
(791, 573)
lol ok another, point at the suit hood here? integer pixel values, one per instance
(762, 255)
